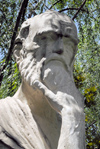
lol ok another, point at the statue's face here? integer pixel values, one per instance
(45, 40)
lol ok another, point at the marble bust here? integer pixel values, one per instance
(47, 111)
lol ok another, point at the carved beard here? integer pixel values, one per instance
(29, 67)
(55, 76)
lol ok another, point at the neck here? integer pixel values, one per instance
(35, 100)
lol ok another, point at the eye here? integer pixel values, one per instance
(53, 36)
(43, 37)
(24, 32)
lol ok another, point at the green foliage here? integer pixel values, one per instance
(11, 81)
(87, 64)
(79, 76)
(92, 106)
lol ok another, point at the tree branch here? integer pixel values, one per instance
(73, 9)
(79, 10)
(54, 4)
(90, 125)
(3, 15)
(46, 6)
(24, 3)
(24, 10)
(33, 10)
(37, 4)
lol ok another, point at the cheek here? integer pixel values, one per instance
(49, 47)
(44, 50)
(30, 45)
(68, 53)
(41, 52)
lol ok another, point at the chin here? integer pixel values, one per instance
(54, 75)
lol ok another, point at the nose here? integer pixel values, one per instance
(18, 40)
(58, 46)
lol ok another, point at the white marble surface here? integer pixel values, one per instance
(47, 111)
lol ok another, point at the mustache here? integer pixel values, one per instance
(30, 68)
(61, 58)
(25, 58)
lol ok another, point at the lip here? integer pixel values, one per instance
(55, 57)
(18, 44)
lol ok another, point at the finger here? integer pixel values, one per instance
(51, 97)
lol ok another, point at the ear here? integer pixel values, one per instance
(16, 54)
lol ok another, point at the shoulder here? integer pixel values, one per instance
(3, 101)
(12, 123)
(6, 105)
(18, 128)
(11, 107)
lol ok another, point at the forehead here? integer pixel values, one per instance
(51, 21)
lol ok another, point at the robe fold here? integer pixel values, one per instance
(18, 128)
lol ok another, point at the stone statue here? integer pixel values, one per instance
(47, 110)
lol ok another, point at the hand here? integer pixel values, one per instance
(59, 101)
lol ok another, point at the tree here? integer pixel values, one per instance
(86, 15)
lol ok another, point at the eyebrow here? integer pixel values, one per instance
(47, 31)
(75, 40)
(24, 26)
